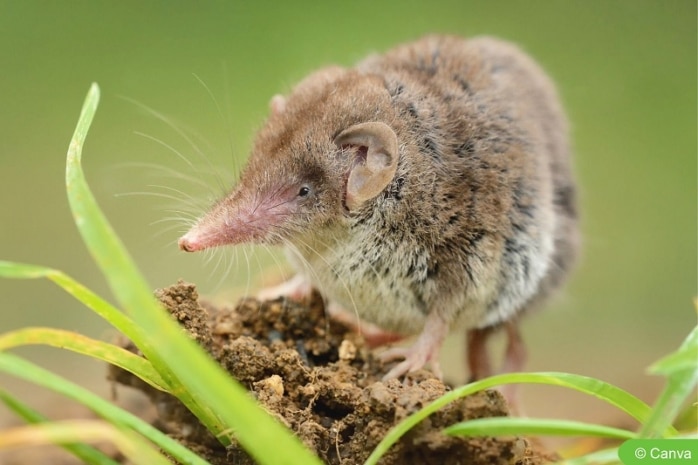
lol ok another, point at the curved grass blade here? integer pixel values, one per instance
(683, 359)
(84, 452)
(123, 277)
(86, 346)
(599, 457)
(687, 419)
(681, 370)
(211, 389)
(505, 426)
(597, 388)
(20, 368)
(101, 307)
(134, 447)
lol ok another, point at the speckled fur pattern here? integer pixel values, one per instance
(479, 222)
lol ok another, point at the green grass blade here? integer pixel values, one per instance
(20, 368)
(136, 449)
(212, 389)
(91, 300)
(84, 452)
(687, 419)
(600, 457)
(611, 455)
(681, 370)
(597, 388)
(504, 426)
(668, 406)
(87, 346)
(684, 359)
(124, 278)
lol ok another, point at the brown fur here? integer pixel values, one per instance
(479, 221)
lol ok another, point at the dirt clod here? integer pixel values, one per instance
(319, 378)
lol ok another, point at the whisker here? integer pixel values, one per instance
(177, 128)
(163, 171)
(226, 124)
(224, 116)
(332, 269)
(179, 154)
(160, 195)
(225, 259)
(259, 266)
(182, 196)
(248, 281)
(180, 220)
(170, 123)
(174, 224)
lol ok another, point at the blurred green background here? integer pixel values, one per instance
(626, 71)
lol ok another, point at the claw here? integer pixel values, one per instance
(424, 351)
(414, 359)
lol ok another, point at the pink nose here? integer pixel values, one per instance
(185, 243)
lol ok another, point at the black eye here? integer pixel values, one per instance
(304, 192)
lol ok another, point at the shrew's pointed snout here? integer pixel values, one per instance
(211, 231)
(248, 219)
(188, 243)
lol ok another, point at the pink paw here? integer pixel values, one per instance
(414, 359)
(424, 351)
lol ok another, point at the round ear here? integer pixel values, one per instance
(375, 161)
